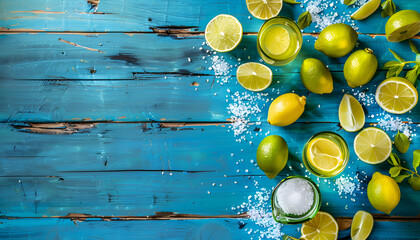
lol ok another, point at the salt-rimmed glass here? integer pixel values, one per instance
(287, 218)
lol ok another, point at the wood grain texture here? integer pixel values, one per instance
(144, 16)
(123, 56)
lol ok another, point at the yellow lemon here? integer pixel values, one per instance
(286, 109)
(383, 193)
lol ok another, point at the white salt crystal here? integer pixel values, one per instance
(295, 196)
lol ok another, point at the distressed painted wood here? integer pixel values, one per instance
(229, 229)
(123, 56)
(144, 16)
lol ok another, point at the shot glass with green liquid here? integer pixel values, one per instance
(326, 154)
(279, 41)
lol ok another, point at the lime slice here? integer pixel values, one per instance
(372, 145)
(264, 9)
(361, 226)
(275, 40)
(351, 114)
(254, 76)
(324, 154)
(322, 227)
(396, 95)
(223, 33)
(366, 10)
(402, 25)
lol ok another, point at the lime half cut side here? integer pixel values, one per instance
(254, 76)
(223, 33)
(264, 9)
(361, 225)
(366, 10)
(402, 25)
(372, 145)
(396, 95)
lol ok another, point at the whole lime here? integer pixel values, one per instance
(336, 40)
(315, 76)
(360, 67)
(383, 193)
(272, 154)
(402, 25)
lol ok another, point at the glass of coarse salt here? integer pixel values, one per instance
(296, 199)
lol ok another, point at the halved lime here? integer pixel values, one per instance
(396, 95)
(351, 114)
(372, 145)
(254, 76)
(366, 10)
(223, 33)
(264, 9)
(402, 25)
(322, 226)
(361, 226)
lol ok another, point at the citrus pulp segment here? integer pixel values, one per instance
(264, 9)
(372, 145)
(254, 76)
(223, 33)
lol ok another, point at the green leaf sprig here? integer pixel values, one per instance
(388, 8)
(395, 67)
(401, 142)
(291, 1)
(304, 20)
(399, 173)
(349, 2)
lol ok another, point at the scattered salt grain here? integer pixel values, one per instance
(295, 196)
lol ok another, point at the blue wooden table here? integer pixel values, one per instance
(115, 126)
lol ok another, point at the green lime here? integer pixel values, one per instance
(383, 193)
(351, 114)
(336, 40)
(360, 67)
(272, 154)
(402, 25)
(361, 226)
(315, 76)
(254, 76)
(366, 10)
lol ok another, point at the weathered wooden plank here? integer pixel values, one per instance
(129, 169)
(229, 229)
(133, 15)
(42, 150)
(171, 97)
(122, 56)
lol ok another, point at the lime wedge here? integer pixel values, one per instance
(402, 25)
(361, 226)
(254, 76)
(396, 95)
(366, 10)
(264, 9)
(322, 226)
(223, 33)
(372, 145)
(351, 114)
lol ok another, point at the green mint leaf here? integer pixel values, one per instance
(401, 142)
(349, 2)
(395, 171)
(304, 20)
(397, 56)
(413, 47)
(401, 177)
(388, 8)
(416, 159)
(391, 64)
(291, 1)
(394, 71)
(413, 74)
(394, 160)
(414, 183)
